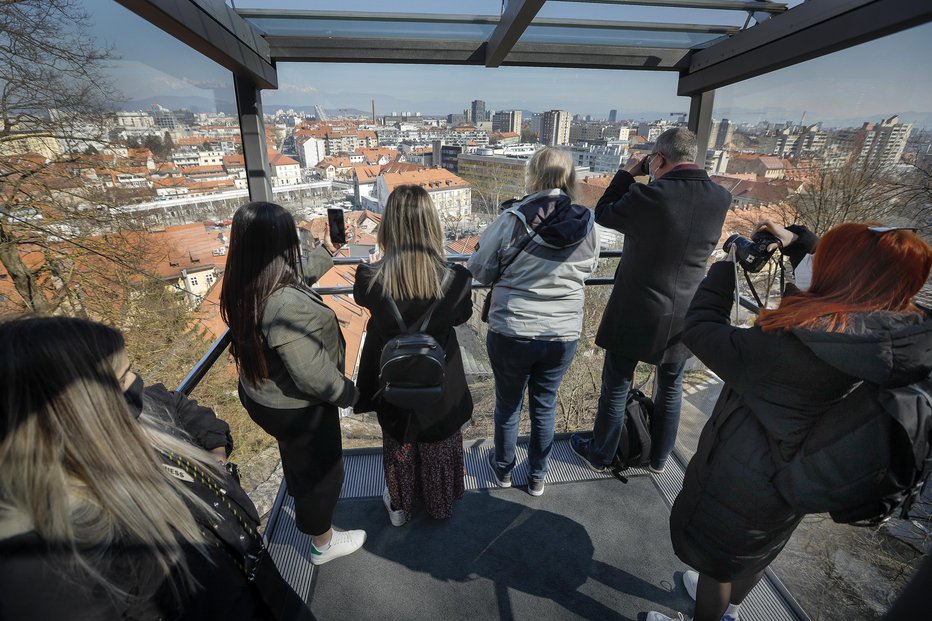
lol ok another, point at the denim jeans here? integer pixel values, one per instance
(539, 366)
(617, 374)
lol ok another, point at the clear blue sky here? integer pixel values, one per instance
(868, 81)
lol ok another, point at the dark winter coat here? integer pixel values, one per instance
(671, 227)
(729, 521)
(456, 308)
(177, 410)
(39, 583)
(303, 346)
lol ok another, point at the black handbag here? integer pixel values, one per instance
(238, 532)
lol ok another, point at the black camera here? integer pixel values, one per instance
(752, 254)
(644, 167)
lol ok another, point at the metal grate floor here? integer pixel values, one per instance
(291, 549)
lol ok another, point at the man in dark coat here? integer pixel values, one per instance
(671, 226)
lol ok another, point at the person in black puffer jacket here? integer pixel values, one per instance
(855, 323)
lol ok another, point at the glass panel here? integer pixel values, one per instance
(420, 107)
(376, 29)
(856, 123)
(116, 198)
(598, 36)
(473, 7)
(634, 13)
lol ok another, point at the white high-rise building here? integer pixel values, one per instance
(310, 151)
(555, 127)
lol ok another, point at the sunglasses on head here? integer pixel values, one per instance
(886, 229)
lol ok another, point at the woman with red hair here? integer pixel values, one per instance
(857, 322)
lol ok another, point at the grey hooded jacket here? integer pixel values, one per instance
(540, 292)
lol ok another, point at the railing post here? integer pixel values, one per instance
(252, 131)
(700, 122)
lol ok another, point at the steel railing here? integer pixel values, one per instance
(190, 382)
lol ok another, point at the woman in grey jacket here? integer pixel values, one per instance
(289, 350)
(537, 255)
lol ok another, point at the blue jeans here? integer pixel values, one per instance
(539, 366)
(617, 374)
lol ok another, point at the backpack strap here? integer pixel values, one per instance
(423, 320)
(395, 312)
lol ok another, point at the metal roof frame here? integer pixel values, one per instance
(788, 37)
(782, 38)
(804, 32)
(516, 17)
(216, 31)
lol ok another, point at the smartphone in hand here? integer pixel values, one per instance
(337, 226)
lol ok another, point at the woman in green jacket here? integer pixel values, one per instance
(290, 353)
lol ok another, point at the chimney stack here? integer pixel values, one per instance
(373, 112)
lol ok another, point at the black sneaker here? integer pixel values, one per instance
(502, 480)
(535, 487)
(580, 446)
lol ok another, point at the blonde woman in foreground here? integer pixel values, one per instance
(423, 447)
(93, 525)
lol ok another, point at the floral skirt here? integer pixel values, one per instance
(430, 471)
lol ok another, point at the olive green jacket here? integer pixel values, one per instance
(304, 347)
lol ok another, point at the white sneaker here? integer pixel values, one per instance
(659, 616)
(397, 517)
(691, 582)
(342, 542)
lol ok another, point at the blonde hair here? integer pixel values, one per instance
(74, 465)
(549, 169)
(411, 239)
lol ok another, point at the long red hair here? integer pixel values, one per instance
(856, 270)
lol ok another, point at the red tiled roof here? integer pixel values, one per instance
(464, 245)
(280, 159)
(431, 179)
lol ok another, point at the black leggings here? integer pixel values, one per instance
(311, 447)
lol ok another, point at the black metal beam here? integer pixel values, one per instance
(458, 52)
(215, 31)
(515, 20)
(365, 50)
(726, 5)
(598, 57)
(289, 18)
(700, 122)
(804, 32)
(252, 131)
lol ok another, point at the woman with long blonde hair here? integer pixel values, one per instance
(92, 523)
(422, 447)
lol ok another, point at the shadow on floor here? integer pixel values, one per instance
(506, 555)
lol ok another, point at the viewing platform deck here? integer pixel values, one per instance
(592, 547)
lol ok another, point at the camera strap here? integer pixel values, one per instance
(747, 278)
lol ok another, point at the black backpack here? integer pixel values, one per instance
(413, 364)
(634, 446)
(866, 459)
